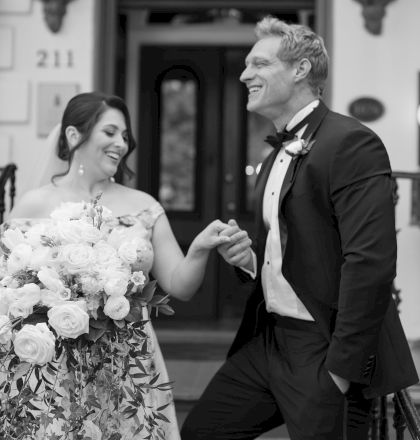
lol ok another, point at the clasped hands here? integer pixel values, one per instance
(237, 251)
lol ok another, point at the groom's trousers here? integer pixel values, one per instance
(278, 377)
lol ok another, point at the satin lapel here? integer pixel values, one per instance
(259, 197)
(316, 118)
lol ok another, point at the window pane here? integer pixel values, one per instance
(257, 150)
(177, 143)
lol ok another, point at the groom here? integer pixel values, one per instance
(320, 336)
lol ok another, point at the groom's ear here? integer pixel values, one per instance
(72, 136)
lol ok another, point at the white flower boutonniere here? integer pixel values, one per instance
(299, 147)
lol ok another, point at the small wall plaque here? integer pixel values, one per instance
(52, 100)
(366, 109)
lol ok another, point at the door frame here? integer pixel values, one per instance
(106, 35)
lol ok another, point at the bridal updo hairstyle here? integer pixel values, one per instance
(83, 112)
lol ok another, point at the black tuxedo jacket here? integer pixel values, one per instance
(338, 239)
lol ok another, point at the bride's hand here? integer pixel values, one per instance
(210, 237)
(238, 251)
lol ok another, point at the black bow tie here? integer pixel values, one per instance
(277, 140)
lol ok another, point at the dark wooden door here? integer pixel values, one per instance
(198, 155)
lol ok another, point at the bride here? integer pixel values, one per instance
(92, 143)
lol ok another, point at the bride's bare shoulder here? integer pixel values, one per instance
(135, 199)
(36, 203)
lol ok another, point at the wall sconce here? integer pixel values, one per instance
(54, 12)
(373, 13)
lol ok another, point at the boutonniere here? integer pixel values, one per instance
(299, 147)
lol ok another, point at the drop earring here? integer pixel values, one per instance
(81, 170)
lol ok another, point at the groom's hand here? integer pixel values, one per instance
(238, 251)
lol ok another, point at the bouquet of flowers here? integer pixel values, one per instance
(73, 311)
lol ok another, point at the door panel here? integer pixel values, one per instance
(199, 155)
(179, 137)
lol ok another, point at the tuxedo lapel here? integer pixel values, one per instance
(314, 122)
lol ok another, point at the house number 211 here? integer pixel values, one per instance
(54, 58)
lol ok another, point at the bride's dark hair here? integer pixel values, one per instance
(83, 112)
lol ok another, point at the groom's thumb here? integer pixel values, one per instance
(232, 222)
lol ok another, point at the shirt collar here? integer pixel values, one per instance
(302, 113)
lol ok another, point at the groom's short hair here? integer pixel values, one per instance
(298, 42)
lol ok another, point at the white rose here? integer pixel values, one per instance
(116, 287)
(77, 257)
(5, 299)
(106, 255)
(3, 267)
(68, 232)
(50, 298)
(90, 430)
(35, 344)
(41, 256)
(50, 279)
(9, 281)
(69, 211)
(13, 237)
(19, 258)
(117, 307)
(69, 320)
(90, 284)
(127, 251)
(89, 233)
(20, 309)
(30, 294)
(36, 232)
(5, 330)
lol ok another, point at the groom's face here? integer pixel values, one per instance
(269, 80)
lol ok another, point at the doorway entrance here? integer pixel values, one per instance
(200, 153)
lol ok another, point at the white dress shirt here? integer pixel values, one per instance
(279, 295)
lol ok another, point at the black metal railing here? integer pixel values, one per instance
(7, 174)
(405, 415)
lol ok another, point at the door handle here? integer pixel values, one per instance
(231, 206)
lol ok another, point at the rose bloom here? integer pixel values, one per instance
(19, 257)
(50, 278)
(50, 298)
(13, 237)
(34, 235)
(116, 286)
(90, 284)
(127, 251)
(90, 430)
(77, 257)
(89, 233)
(69, 320)
(117, 307)
(29, 294)
(106, 255)
(5, 330)
(68, 232)
(35, 344)
(20, 308)
(6, 295)
(40, 257)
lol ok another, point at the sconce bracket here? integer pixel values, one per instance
(373, 13)
(54, 12)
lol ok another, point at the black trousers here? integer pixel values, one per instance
(278, 377)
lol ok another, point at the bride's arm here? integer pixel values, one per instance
(180, 275)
